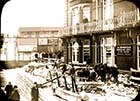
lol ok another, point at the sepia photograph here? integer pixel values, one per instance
(70, 50)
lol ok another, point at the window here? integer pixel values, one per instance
(33, 34)
(86, 12)
(54, 32)
(86, 52)
(138, 51)
(41, 35)
(75, 16)
(25, 35)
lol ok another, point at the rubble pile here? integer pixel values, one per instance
(123, 89)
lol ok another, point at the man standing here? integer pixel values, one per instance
(72, 73)
(35, 92)
(8, 89)
(15, 94)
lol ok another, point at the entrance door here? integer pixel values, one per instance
(75, 52)
(107, 50)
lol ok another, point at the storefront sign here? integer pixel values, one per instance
(27, 48)
(43, 41)
(124, 50)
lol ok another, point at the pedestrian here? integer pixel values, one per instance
(72, 74)
(64, 69)
(8, 89)
(3, 96)
(35, 92)
(115, 73)
(55, 65)
(15, 94)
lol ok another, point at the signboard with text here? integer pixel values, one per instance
(42, 41)
(27, 48)
(123, 50)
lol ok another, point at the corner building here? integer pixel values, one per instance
(104, 30)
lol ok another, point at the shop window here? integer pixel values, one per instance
(27, 56)
(20, 56)
(86, 52)
(138, 38)
(138, 51)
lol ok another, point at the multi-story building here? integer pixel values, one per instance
(104, 30)
(43, 41)
(9, 48)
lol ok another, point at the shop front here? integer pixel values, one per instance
(119, 48)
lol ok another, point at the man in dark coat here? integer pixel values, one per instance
(88, 61)
(72, 73)
(8, 89)
(15, 94)
(35, 92)
(64, 69)
(115, 73)
(2, 95)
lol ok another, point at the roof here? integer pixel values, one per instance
(24, 29)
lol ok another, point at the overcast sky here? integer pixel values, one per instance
(31, 13)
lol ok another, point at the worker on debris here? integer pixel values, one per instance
(35, 92)
(72, 74)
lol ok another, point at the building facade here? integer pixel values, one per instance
(9, 48)
(42, 41)
(106, 31)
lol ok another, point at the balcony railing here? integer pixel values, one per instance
(125, 19)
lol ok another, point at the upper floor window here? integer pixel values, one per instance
(54, 32)
(33, 34)
(75, 16)
(41, 35)
(25, 35)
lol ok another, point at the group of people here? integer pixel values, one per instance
(9, 93)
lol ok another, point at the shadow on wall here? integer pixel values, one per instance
(15, 64)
